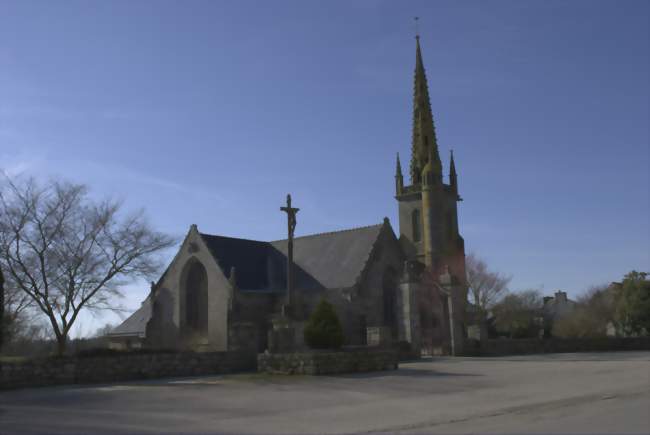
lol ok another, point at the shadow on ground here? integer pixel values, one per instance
(406, 372)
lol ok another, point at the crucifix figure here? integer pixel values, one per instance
(291, 226)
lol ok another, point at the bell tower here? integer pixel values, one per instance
(428, 214)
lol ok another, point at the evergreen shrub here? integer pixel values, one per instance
(323, 329)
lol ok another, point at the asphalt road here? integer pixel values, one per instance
(561, 393)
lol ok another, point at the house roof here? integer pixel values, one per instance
(136, 323)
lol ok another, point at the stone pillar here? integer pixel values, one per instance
(408, 309)
(286, 335)
(378, 336)
(453, 291)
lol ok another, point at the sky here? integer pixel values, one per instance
(210, 112)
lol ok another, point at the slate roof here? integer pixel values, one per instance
(136, 324)
(333, 259)
(326, 260)
(248, 257)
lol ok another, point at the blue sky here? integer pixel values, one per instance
(210, 112)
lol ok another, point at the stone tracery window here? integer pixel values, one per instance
(195, 291)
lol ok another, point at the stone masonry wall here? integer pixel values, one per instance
(499, 347)
(121, 367)
(328, 362)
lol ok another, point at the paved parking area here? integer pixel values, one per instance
(560, 393)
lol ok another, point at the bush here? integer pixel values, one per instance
(324, 330)
(633, 308)
(516, 315)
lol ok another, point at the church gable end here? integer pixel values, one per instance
(191, 300)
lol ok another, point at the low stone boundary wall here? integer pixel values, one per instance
(328, 362)
(499, 347)
(121, 367)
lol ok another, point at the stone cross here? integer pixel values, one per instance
(291, 226)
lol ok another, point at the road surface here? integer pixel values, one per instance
(559, 393)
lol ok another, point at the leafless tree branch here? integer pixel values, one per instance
(64, 253)
(486, 287)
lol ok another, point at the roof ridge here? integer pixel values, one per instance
(330, 232)
(368, 257)
(299, 237)
(229, 237)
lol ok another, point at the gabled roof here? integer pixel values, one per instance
(136, 324)
(326, 260)
(334, 259)
(248, 257)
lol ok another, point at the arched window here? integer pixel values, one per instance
(195, 291)
(416, 223)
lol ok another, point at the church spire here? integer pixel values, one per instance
(399, 178)
(424, 134)
(453, 177)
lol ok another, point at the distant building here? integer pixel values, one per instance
(558, 306)
(555, 308)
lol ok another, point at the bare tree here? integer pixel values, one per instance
(104, 330)
(519, 315)
(2, 309)
(68, 253)
(486, 287)
(15, 310)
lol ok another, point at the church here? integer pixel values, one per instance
(221, 293)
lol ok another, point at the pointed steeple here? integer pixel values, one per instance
(399, 178)
(424, 133)
(453, 177)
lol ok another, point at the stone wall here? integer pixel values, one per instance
(554, 345)
(328, 362)
(121, 366)
(243, 337)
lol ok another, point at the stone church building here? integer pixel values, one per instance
(222, 293)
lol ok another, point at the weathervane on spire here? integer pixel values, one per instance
(417, 30)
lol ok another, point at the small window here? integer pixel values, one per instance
(416, 222)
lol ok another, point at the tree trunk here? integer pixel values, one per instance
(61, 342)
(2, 309)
